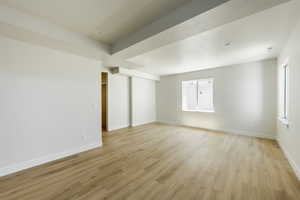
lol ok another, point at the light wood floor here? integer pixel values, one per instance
(162, 162)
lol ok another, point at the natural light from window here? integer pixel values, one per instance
(197, 95)
(284, 95)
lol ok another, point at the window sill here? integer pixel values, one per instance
(202, 111)
(284, 121)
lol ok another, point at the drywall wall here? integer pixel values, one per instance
(49, 105)
(118, 101)
(244, 99)
(289, 137)
(143, 101)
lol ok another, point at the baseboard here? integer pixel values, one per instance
(118, 127)
(290, 159)
(45, 159)
(127, 126)
(236, 132)
(143, 123)
(250, 134)
(168, 122)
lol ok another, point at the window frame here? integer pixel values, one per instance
(212, 110)
(284, 115)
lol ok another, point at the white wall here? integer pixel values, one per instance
(131, 101)
(49, 104)
(289, 138)
(118, 101)
(244, 99)
(143, 101)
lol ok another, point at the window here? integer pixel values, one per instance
(197, 95)
(284, 94)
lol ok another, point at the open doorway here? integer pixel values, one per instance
(104, 90)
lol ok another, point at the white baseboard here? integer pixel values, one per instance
(143, 123)
(250, 134)
(236, 132)
(290, 159)
(45, 159)
(117, 127)
(127, 126)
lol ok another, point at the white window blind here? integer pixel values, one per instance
(197, 95)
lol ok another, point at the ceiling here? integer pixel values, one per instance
(249, 40)
(104, 20)
(190, 19)
(163, 37)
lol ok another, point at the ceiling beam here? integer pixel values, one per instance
(193, 18)
(181, 14)
(21, 26)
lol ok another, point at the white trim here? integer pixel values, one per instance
(286, 61)
(196, 107)
(114, 128)
(250, 134)
(128, 126)
(201, 111)
(284, 111)
(290, 159)
(134, 73)
(284, 121)
(45, 159)
(235, 132)
(168, 122)
(143, 123)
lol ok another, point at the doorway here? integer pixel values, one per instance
(104, 95)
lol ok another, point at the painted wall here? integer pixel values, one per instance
(49, 97)
(131, 101)
(49, 102)
(244, 99)
(289, 138)
(118, 101)
(143, 101)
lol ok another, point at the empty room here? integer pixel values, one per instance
(149, 100)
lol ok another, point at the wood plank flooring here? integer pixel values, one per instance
(158, 161)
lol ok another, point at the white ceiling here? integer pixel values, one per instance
(197, 43)
(190, 19)
(104, 20)
(250, 39)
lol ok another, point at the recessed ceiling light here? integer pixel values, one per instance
(227, 44)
